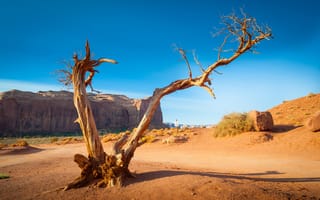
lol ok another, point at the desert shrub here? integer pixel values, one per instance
(311, 95)
(175, 139)
(233, 124)
(20, 143)
(69, 140)
(110, 137)
(53, 140)
(157, 132)
(147, 139)
(3, 176)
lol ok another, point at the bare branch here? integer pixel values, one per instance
(184, 57)
(243, 31)
(88, 55)
(222, 45)
(209, 90)
(196, 60)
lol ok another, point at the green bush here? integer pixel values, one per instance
(233, 124)
(3, 176)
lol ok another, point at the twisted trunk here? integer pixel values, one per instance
(113, 168)
(85, 116)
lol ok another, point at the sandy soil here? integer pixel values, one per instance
(240, 167)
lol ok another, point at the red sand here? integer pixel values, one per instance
(240, 167)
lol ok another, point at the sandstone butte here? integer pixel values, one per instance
(45, 112)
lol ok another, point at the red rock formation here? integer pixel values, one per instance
(27, 113)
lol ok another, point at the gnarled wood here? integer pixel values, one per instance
(90, 168)
(114, 168)
(247, 33)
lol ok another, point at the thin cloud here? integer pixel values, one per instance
(6, 85)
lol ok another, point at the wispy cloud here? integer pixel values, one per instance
(6, 84)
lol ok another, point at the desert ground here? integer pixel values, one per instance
(246, 166)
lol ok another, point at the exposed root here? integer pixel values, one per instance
(89, 171)
(112, 172)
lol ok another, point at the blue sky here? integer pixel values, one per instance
(36, 37)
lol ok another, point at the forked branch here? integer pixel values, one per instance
(113, 168)
(242, 29)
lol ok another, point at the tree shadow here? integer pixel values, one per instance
(152, 175)
(19, 150)
(282, 128)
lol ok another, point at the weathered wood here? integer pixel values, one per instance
(248, 35)
(90, 167)
(114, 168)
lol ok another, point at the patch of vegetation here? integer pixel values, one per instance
(70, 140)
(147, 139)
(311, 95)
(4, 176)
(110, 137)
(20, 143)
(54, 140)
(33, 140)
(233, 124)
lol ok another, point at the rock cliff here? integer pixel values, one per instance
(27, 113)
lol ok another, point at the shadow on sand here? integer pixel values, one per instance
(282, 128)
(19, 150)
(148, 176)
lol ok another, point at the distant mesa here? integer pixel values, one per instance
(45, 112)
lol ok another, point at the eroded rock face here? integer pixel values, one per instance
(30, 113)
(262, 121)
(313, 123)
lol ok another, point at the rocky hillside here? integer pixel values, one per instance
(295, 112)
(27, 113)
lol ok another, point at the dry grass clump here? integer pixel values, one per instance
(20, 143)
(157, 132)
(147, 139)
(175, 139)
(167, 135)
(110, 137)
(69, 140)
(233, 124)
(3, 176)
(54, 140)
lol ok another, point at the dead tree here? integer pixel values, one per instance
(114, 167)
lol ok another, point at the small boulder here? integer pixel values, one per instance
(262, 121)
(313, 123)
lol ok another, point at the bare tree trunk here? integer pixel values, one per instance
(96, 156)
(114, 168)
(85, 116)
(248, 34)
